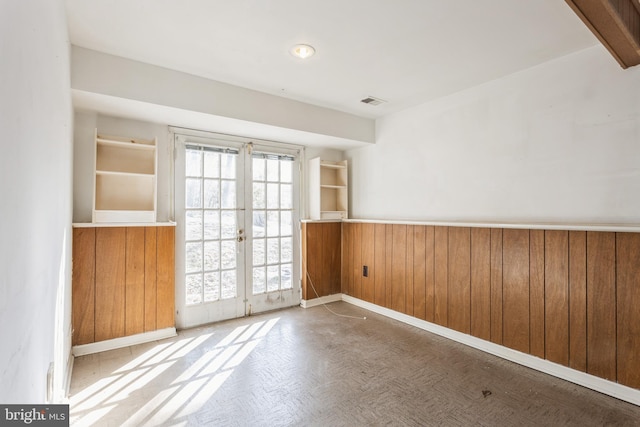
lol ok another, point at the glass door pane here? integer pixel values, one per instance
(222, 188)
(211, 228)
(210, 269)
(273, 212)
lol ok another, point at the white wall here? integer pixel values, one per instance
(84, 152)
(35, 189)
(559, 142)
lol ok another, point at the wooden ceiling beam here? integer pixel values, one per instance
(616, 23)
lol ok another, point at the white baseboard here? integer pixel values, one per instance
(67, 382)
(598, 384)
(319, 301)
(60, 392)
(97, 347)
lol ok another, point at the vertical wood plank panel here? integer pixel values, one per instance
(562, 295)
(380, 297)
(347, 254)
(419, 259)
(327, 258)
(429, 273)
(308, 259)
(83, 285)
(601, 305)
(481, 283)
(352, 260)
(150, 266)
(134, 281)
(368, 259)
(166, 277)
(557, 296)
(496, 285)
(345, 257)
(356, 268)
(408, 306)
(110, 283)
(305, 250)
(352, 243)
(459, 268)
(319, 267)
(628, 314)
(441, 260)
(389, 264)
(515, 289)
(536, 293)
(578, 300)
(398, 280)
(322, 259)
(332, 255)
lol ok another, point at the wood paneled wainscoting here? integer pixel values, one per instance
(570, 297)
(321, 259)
(123, 282)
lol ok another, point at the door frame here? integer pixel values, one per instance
(244, 146)
(287, 297)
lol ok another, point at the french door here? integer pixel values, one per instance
(236, 207)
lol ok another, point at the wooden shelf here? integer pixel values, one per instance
(125, 180)
(328, 189)
(112, 173)
(138, 144)
(125, 157)
(329, 165)
(125, 140)
(333, 214)
(121, 224)
(108, 218)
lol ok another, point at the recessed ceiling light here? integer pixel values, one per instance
(302, 51)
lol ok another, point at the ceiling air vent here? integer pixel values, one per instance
(372, 101)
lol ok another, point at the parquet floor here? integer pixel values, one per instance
(309, 367)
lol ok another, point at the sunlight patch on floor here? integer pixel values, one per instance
(165, 396)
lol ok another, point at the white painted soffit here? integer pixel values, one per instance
(154, 113)
(124, 88)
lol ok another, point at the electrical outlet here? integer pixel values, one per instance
(365, 271)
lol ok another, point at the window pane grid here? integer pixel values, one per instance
(210, 228)
(272, 229)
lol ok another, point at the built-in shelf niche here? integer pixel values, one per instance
(328, 189)
(125, 179)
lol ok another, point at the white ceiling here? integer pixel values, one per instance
(403, 51)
